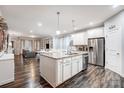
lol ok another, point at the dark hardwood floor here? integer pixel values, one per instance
(27, 76)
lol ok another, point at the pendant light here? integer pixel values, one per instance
(58, 28)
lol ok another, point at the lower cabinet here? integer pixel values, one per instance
(56, 71)
(66, 69)
(75, 66)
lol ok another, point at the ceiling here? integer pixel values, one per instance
(25, 18)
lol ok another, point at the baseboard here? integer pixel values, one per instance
(47, 80)
(112, 68)
(6, 81)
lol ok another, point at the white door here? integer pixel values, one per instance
(66, 69)
(113, 49)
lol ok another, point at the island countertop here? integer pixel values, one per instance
(7, 57)
(61, 55)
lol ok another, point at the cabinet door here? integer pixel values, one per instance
(80, 39)
(75, 65)
(66, 69)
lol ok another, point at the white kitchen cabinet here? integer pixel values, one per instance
(56, 71)
(66, 68)
(80, 38)
(96, 32)
(75, 65)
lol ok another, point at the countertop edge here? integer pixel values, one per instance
(64, 56)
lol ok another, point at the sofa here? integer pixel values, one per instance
(28, 54)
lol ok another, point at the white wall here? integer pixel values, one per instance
(122, 20)
(0, 13)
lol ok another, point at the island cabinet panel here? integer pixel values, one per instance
(59, 72)
(66, 69)
(6, 71)
(48, 69)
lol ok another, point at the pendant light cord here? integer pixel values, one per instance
(73, 25)
(58, 13)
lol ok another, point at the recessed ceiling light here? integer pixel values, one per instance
(75, 28)
(72, 35)
(58, 32)
(31, 31)
(39, 24)
(91, 23)
(65, 31)
(115, 6)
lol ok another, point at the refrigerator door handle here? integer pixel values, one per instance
(96, 50)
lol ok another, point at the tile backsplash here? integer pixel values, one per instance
(82, 47)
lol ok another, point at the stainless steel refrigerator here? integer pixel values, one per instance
(96, 51)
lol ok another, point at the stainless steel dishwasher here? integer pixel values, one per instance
(85, 61)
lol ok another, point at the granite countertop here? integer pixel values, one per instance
(61, 55)
(7, 57)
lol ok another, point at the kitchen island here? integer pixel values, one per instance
(56, 68)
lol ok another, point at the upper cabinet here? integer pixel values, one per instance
(80, 38)
(97, 32)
